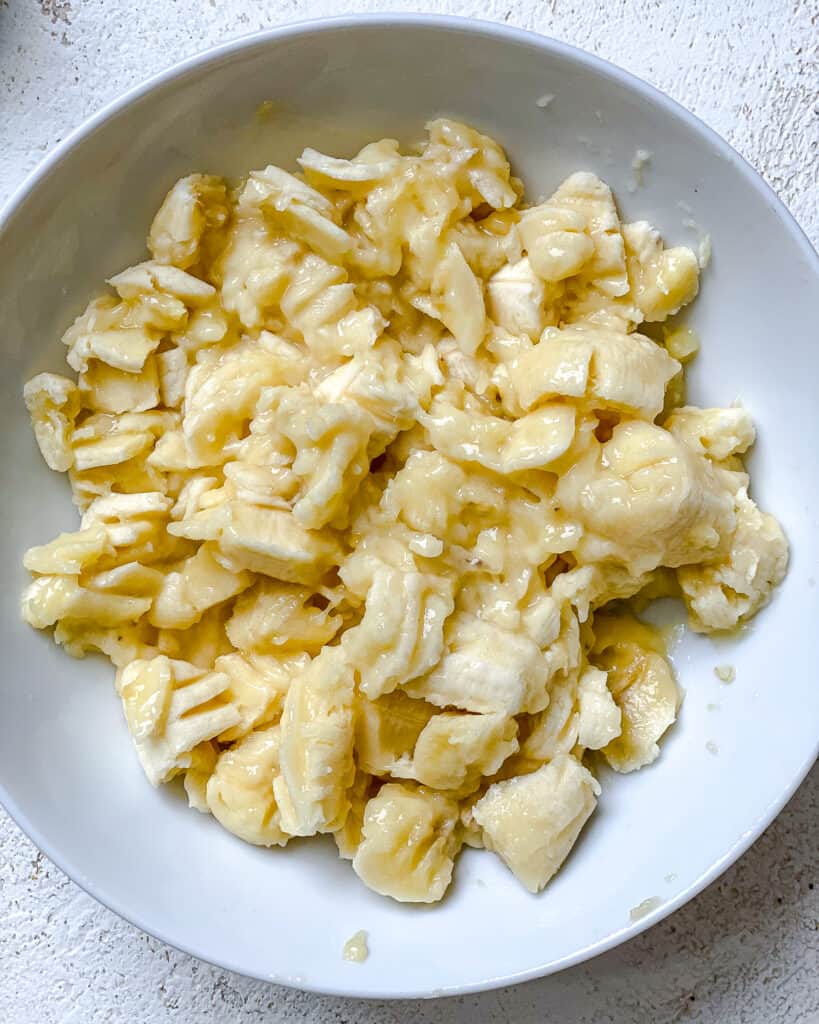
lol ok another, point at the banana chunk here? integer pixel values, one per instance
(409, 843)
(532, 821)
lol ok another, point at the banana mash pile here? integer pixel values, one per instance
(367, 460)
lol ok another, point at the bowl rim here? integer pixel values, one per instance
(548, 45)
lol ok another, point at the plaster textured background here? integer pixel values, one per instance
(746, 950)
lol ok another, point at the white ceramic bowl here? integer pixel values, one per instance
(69, 775)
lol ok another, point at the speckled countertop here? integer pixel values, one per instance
(747, 949)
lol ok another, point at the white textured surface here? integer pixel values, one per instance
(745, 950)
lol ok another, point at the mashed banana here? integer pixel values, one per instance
(365, 457)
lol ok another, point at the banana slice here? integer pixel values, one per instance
(409, 843)
(240, 793)
(532, 821)
(316, 754)
(171, 707)
(642, 684)
(401, 634)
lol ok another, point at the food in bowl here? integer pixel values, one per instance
(369, 459)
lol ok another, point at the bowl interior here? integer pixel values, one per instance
(66, 763)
